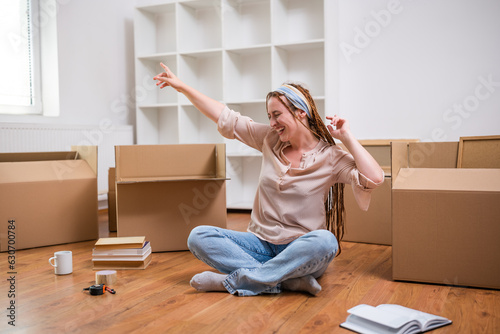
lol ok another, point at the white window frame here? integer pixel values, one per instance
(34, 41)
(44, 61)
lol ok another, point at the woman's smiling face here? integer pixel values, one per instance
(282, 121)
(280, 118)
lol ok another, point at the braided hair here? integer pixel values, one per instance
(334, 204)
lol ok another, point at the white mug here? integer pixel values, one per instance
(63, 262)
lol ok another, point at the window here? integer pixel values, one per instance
(20, 82)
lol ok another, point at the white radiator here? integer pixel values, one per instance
(17, 137)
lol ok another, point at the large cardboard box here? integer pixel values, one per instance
(164, 191)
(373, 225)
(446, 220)
(48, 198)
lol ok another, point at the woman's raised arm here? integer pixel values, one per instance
(208, 106)
(365, 163)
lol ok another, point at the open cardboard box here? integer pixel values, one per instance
(48, 198)
(164, 191)
(373, 225)
(446, 220)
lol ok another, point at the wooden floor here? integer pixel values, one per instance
(160, 300)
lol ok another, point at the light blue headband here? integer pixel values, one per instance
(295, 97)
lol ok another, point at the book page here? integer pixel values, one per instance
(426, 320)
(360, 325)
(377, 315)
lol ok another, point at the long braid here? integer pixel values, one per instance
(334, 204)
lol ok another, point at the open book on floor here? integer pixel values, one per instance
(391, 318)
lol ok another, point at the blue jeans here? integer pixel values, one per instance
(255, 266)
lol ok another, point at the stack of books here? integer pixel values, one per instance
(121, 253)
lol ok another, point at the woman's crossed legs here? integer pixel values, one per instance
(251, 266)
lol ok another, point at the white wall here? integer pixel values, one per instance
(419, 69)
(423, 63)
(96, 57)
(95, 63)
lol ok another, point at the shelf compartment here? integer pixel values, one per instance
(157, 125)
(243, 172)
(200, 25)
(320, 106)
(247, 74)
(255, 110)
(154, 29)
(236, 148)
(246, 23)
(146, 90)
(202, 71)
(303, 63)
(297, 20)
(196, 127)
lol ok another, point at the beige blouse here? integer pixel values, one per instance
(290, 201)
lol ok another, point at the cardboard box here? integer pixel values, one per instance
(479, 152)
(111, 200)
(164, 191)
(374, 225)
(446, 221)
(48, 198)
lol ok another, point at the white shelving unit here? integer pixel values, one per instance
(234, 51)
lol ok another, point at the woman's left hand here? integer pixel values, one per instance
(342, 129)
(365, 163)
